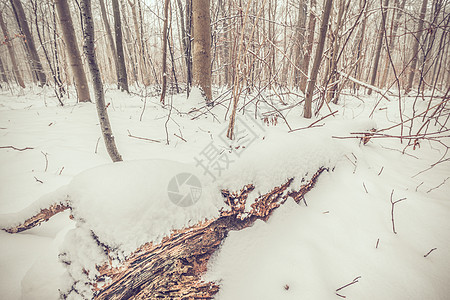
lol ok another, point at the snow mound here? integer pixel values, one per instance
(128, 204)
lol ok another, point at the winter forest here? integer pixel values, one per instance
(225, 149)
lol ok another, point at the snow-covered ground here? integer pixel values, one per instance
(344, 233)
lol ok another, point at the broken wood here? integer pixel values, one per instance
(173, 269)
(43, 216)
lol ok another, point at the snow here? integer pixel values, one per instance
(300, 252)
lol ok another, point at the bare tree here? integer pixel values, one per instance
(70, 40)
(309, 45)
(111, 43)
(89, 50)
(29, 42)
(164, 58)
(379, 45)
(11, 52)
(122, 70)
(202, 47)
(307, 110)
(415, 48)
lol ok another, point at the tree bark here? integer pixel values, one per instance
(379, 44)
(111, 43)
(11, 52)
(73, 52)
(122, 79)
(307, 110)
(308, 46)
(299, 47)
(164, 58)
(415, 49)
(31, 47)
(202, 47)
(89, 50)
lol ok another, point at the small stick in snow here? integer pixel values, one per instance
(365, 188)
(438, 186)
(14, 148)
(379, 173)
(96, 146)
(40, 181)
(429, 252)
(179, 137)
(417, 187)
(392, 210)
(378, 241)
(62, 169)
(348, 284)
(46, 161)
(142, 138)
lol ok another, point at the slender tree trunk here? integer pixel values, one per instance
(390, 46)
(202, 47)
(111, 43)
(189, 43)
(299, 47)
(70, 41)
(89, 50)
(122, 79)
(379, 45)
(164, 58)
(415, 49)
(3, 77)
(34, 56)
(309, 45)
(307, 110)
(11, 52)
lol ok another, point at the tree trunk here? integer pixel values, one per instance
(299, 47)
(307, 110)
(379, 44)
(122, 79)
(395, 25)
(202, 47)
(89, 50)
(3, 77)
(73, 53)
(415, 49)
(111, 43)
(12, 54)
(164, 58)
(309, 45)
(31, 48)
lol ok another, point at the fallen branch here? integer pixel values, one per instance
(347, 285)
(142, 138)
(429, 252)
(43, 216)
(392, 210)
(14, 148)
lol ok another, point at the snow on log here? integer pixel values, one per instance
(43, 216)
(173, 268)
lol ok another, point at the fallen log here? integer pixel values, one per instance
(173, 269)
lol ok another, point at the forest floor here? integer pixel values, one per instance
(338, 243)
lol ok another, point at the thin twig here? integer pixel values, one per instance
(392, 210)
(315, 122)
(40, 181)
(429, 252)
(378, 241)
(438, 186)
(46, 161)
(379, 173)
(96, 146)
(365, 188)
(142, 138)
(14, 148)
(179, 137)
(348, 284)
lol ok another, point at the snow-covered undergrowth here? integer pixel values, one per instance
(308, 252)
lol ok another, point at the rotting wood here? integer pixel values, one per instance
(43, 216)
(173, 269)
